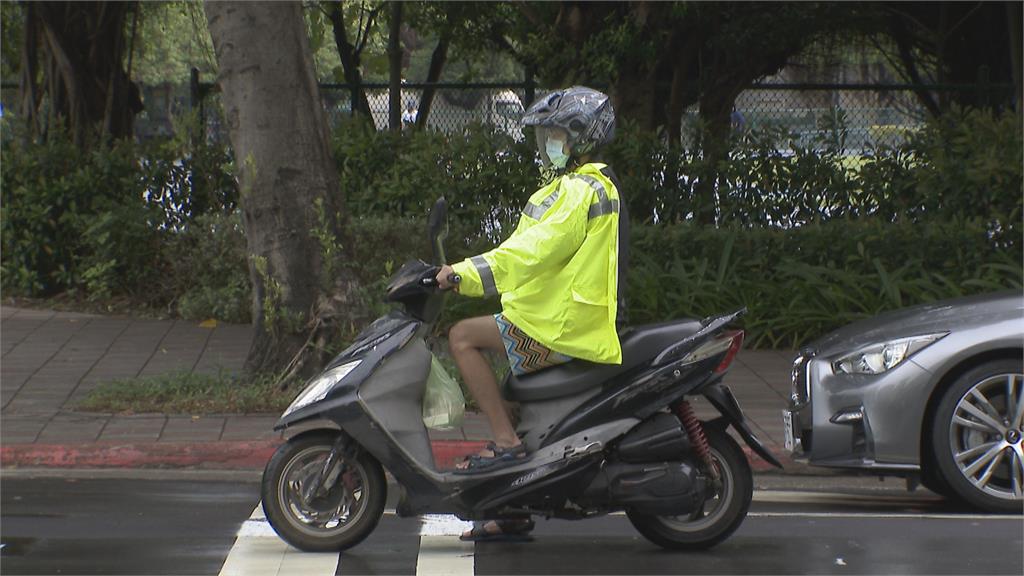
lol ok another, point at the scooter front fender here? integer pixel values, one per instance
(723, 400)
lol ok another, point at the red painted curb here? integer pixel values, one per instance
(241, 455)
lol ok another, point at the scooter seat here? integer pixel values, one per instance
(639, 344)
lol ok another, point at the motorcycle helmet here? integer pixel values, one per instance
(581, 118)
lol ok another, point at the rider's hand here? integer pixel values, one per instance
(442, 278)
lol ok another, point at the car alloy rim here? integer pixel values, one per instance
(334, 508)
(985, 436)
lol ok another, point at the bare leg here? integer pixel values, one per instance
(467, 340)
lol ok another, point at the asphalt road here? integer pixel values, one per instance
(198, 525)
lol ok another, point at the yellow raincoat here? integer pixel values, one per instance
(557, 274)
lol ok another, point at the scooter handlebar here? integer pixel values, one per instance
(453, 279)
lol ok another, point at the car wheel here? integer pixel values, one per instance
(976, 438)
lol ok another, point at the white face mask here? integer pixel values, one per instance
(553, 148)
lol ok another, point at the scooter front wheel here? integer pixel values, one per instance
(335, 516)
(721, 513)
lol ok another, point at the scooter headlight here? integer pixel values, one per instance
(319, 387)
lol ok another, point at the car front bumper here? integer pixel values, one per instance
(854, 421)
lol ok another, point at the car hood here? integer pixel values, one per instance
(942, 316)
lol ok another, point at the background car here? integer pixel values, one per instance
(931, 392)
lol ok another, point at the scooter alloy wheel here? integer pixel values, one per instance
(722, 512)
(341, 513)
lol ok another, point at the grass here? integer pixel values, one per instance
(184, 393)
(223, 393)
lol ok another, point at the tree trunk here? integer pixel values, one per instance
(437, 60)
(84, 84)
(285, 171)
(715, 112)
(350, 57)
(682, 92)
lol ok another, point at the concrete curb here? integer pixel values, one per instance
(240, 455)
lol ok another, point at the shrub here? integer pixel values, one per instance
(210, 273)
(803, 282)
(100, 222)
(809, 237)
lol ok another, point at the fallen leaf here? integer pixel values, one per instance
(209, 323)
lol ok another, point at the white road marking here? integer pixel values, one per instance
(441, 551)
(886, 515)
(259, 551)
(796, 496)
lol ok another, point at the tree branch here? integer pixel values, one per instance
(363, 36)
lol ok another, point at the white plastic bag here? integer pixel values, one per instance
(443, 402)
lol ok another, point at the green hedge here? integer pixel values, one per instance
(804, 282)
(809, 240)
(797, 284)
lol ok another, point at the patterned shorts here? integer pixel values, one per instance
(524, 353)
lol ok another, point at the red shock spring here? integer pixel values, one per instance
(695, 431)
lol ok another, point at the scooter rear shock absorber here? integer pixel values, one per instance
(695, 430)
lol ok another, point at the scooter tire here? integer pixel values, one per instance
(702, 533)
(290, 527)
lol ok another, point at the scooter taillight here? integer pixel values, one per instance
(730, 354)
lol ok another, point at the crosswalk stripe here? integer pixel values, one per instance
(441, 551)
(258, 551)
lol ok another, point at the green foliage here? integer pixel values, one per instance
(12, 26)
(963, 165)
(68, 212)
(171, 39)
(105, 222)
(803, 282)
(811, 236)
(209, 269)
(485, 175)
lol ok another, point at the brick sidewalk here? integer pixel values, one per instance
(51, 360)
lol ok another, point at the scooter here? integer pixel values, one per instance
(600, 438)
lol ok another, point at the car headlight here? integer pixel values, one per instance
(321, 385)
(879, 358)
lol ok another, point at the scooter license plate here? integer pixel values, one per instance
(787, 427)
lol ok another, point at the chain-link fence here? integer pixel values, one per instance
(863, 115)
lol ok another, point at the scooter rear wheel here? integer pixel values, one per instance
(337, 516)
(722, 512)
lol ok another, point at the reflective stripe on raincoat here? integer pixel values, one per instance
(558, 271)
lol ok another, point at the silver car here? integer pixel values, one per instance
(932, 392)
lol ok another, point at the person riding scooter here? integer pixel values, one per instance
(558, 274)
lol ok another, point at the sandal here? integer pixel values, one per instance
(511, 530)
(500, 458)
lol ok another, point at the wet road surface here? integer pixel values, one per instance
(116, 526)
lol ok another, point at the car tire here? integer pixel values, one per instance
(976, 437)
